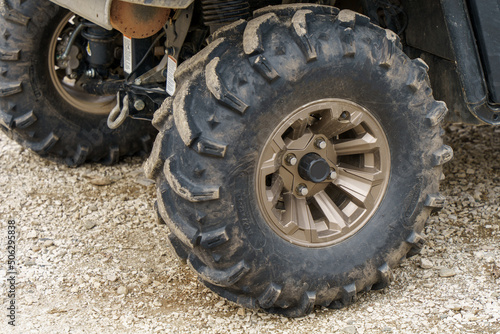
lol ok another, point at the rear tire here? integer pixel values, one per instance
(34, 108)
(214, 134)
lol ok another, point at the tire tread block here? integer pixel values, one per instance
(218, 277)
(10, 89)
(43, 147)
(186, 188)
(13, 15)
(220, 91)
(269, 296)
(443, 155)
(299, 23)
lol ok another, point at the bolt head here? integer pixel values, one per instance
(291, 159)
(320, 143)
(302, 190)
(139, 105)
(91, 73)
(333, 175)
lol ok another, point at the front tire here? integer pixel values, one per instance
(42, 113)
(303, 73)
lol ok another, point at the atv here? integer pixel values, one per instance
(297, 146)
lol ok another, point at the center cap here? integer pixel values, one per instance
(314, 168)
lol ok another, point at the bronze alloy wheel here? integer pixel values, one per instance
(69, 89)
(323, 172)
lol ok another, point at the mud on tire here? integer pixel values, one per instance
(34, 113)
(230, 99)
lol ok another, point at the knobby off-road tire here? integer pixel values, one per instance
(219, 154)
(42, 117)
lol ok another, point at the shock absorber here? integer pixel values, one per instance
(217, 13)
(99, 49)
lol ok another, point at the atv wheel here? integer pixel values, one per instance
(40, 108)
(303, 176)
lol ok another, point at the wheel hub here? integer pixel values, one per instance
(314, 168)
(323, 172)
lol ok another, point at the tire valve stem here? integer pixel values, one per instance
(291, 159)
(333, 174)
(302, 190)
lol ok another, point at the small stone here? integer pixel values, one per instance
(220, 304)
(144, 181)
(470, 171)
(470, 317)
(149, 290)
(32, 235)
(479, 255)
(36, 248)
(447, 272)
(100, 181)
(146, 280)
(426, 263)
(74, 289)
(370, 309)
(428, 274)
(489, 259)
(241, 312)
(122, 290)
(89, 225)
(454, 307)
(48, 243)
(349, 330)
(111, 277)
(93, 207)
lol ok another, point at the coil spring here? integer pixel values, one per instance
(221, 12)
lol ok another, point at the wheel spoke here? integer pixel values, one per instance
(304, 217)
(270, 165)
(333, 214)
(368, 175)
(333, 125)
(299, 128)
(274, 193)
(290, 220)
(366, 144)
(358, 183)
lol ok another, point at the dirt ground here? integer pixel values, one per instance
(91, 258)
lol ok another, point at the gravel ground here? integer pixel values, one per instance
(92, 259)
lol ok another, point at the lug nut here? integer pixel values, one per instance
(91, 73)
(291, 159)
(139, 105)
(320, 143)
(333, 174)
(302, 190)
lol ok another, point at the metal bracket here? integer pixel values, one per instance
(177, 30)
(119, 114)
